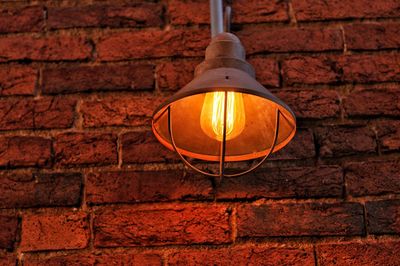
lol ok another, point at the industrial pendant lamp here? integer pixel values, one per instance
(224, 114)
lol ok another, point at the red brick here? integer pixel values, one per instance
(152, 44)
(74, 79)
(51, 47)
(267, 71)
(383, 217)
(372, 68)
(300, 182)
(373, 177)
(338, 9)
(347, 68)
(18, 80)
(373, 101)
(25, 151)
(8, 232)
(100, 258)
(373, 253)
(324, 69)
(372, 36)
(256, 11)
(23, 19)
(259, 39)
(172, 76)
(68, 230)
(300, 147)
(8, 259)
(388, 134)
(244, 255)
(25, 113)
(127, 187)
(132, 15)
(174, 224)
(143, 147)
(314, 104)
(119, 111)
(39, 190)
(307, 219)
(342, 141)
(85, 148)
(245, 11)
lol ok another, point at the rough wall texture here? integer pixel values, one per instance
(83, 181)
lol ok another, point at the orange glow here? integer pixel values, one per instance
(212, 115)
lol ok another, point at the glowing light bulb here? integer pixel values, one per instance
(212, 115)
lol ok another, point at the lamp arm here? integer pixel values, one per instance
(216, 16)
(227, 19)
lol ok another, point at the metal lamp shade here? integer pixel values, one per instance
(269, 124)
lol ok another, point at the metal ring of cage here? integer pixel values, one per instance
(222, 148)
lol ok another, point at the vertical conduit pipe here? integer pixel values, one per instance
(216, 14)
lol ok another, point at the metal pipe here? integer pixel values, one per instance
(227, 19)
(217, 18)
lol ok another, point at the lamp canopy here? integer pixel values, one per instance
(224, 114)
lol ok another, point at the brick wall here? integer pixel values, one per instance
(83, 181)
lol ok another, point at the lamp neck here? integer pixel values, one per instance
(225, 50)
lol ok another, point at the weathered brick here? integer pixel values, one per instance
(152, 44)
(174, 75)
(143, 147)
(8, 259)
(247, 11)
(368, 253)
(258, 39)
(131, 15)
(244, 255)
(68, 230)
(342, 141)
(85, 148)
(22, 19)
(300, 147)
(346, 68)
(373, 101)
(337, 9)
(119, 111)
(8, 232)
(267, 71)
(373, 177)
(103, 258)
(39, 190)
(175, 224)
(372, 36)
(314, 104)
(126, 187)
(388, 134)
(43, 113)
(306, 219)
(297, 69)
(371, 68)
(383, 217)
(18, 80)
(300, 182)
(73, 78)
(51, 47)
(21, 151)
